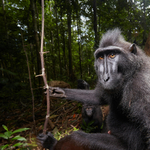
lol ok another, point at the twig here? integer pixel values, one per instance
(43, 70)
(29, 81)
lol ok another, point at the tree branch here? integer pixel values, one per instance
(43, 70)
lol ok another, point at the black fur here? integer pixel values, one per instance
(92, 120)
(91, 114)
(81, 84)
(128, 94)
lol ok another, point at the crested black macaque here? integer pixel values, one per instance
(81, 84)
(92, 118)
(123, 72)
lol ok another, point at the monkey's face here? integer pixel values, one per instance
(89, 111)
(112, 66)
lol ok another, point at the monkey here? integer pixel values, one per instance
(92, 118)
(123, 71)
(81, 84)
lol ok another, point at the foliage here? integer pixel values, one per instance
(21, 23)
(58, 135)
(9, 136)
(88, 127)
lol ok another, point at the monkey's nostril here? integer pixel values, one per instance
(106, 77)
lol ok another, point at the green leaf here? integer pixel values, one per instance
(5, 127)
(8, 133)
(75, 129)
(20, 130)
(90, 123)
(17, 144)
(4, 146)
(3, 136)
(18, 137)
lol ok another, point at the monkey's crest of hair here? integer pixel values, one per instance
(112, 37)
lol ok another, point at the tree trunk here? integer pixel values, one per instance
(36, 38)
(95, 24)
(5, 21)
(58, 47)
(144, 24)
(69, 41)
(78, 27)
(53, 58)
(64, 44)
(147, 46)
(31, 49)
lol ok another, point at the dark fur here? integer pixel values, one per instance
(129, 116)
(95, 118)
(81, 84)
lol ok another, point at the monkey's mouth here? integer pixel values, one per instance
(112, 82)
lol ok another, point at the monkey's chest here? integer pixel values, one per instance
(121, 127)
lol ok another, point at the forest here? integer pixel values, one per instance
(72, 31)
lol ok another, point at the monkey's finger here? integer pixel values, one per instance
(57, 90)
(58, 95)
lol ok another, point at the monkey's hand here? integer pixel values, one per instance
(46, 140)
(56, 92)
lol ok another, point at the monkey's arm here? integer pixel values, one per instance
(141, 113)
(83, 96)
(81, 140)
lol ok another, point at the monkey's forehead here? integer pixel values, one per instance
(107, 48)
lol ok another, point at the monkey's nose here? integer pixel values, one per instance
(106, 77)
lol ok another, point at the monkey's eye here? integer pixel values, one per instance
(101, 57)
(112, 55)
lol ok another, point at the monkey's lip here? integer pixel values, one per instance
(110, 85)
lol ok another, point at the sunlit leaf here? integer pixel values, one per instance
(8, 133)
(4, 146)
(20, 130)
(17, 144)
(5, 127)
(19, 138)
(3, 136)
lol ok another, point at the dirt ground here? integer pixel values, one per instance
(65, 116)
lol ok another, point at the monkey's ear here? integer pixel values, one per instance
(133, 49)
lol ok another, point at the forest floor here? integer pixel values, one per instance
(65, 117)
